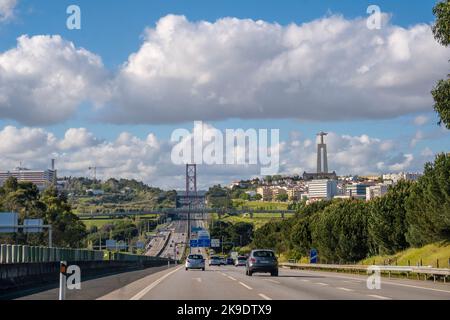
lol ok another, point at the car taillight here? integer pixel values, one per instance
(253, 260)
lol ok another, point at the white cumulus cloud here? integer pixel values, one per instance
(45, 78)
(7, 9)
(327, 69)
(148, 159)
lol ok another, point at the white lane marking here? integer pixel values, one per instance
(378, 297)
(304, 280)
(154, 284)
(231, 278)
(198, 279)
(417, 287)
(222, 273)
(385, 282)
(274, 281)
(321, 283)
(264, 296)
(244, 285)
(345, 289)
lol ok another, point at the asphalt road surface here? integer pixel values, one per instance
(231, 283)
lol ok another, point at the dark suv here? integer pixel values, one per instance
(262, 261)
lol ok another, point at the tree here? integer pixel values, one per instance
(441, 30)
(301, 238)
(387, 219)
(340, 232)
(441, 96)
(68, 229)
(428, 207)
(282, 197)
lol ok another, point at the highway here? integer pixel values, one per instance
(231, 283)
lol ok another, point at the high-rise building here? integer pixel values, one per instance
(322, 189)
(41, 178)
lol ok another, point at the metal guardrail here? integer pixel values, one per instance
(16, 254)
(427, 271)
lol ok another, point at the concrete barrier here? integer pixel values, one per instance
(20, 276)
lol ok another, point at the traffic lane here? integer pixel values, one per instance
(130, 289)
(91, 289)
(393, 288)
(200, 285)
(334, 286)
(289, 287)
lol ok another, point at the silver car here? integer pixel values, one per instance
(195, 261)
(215, 261)
(262, 261)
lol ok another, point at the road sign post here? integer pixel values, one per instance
(62, 280)
(313, 257)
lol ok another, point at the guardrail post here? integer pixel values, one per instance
(8, 253)
(2, 253)
(25, 254)
(437, 263)
(14, 254)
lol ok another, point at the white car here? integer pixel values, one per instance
(195, 261)
(215, 261)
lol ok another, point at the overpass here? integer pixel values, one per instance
(182, 212)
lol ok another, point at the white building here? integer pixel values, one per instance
(41, 178)
(396, 177)
(378, 190)
(322, 189)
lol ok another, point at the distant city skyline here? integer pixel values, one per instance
(110, 95)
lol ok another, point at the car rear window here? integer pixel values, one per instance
(195, 257)
(263, 254)
(215, 258)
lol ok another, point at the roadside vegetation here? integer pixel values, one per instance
(116, 195)
(412, 214)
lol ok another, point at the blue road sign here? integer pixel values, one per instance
(193, 243)
(313, 256)
(196, 229)
(204, 243)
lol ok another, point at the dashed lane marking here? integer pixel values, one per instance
(345, 289)
(244, 285)
(273, 281)
(379, 297)
(264, 296)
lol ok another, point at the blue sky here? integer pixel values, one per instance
(115, 29)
